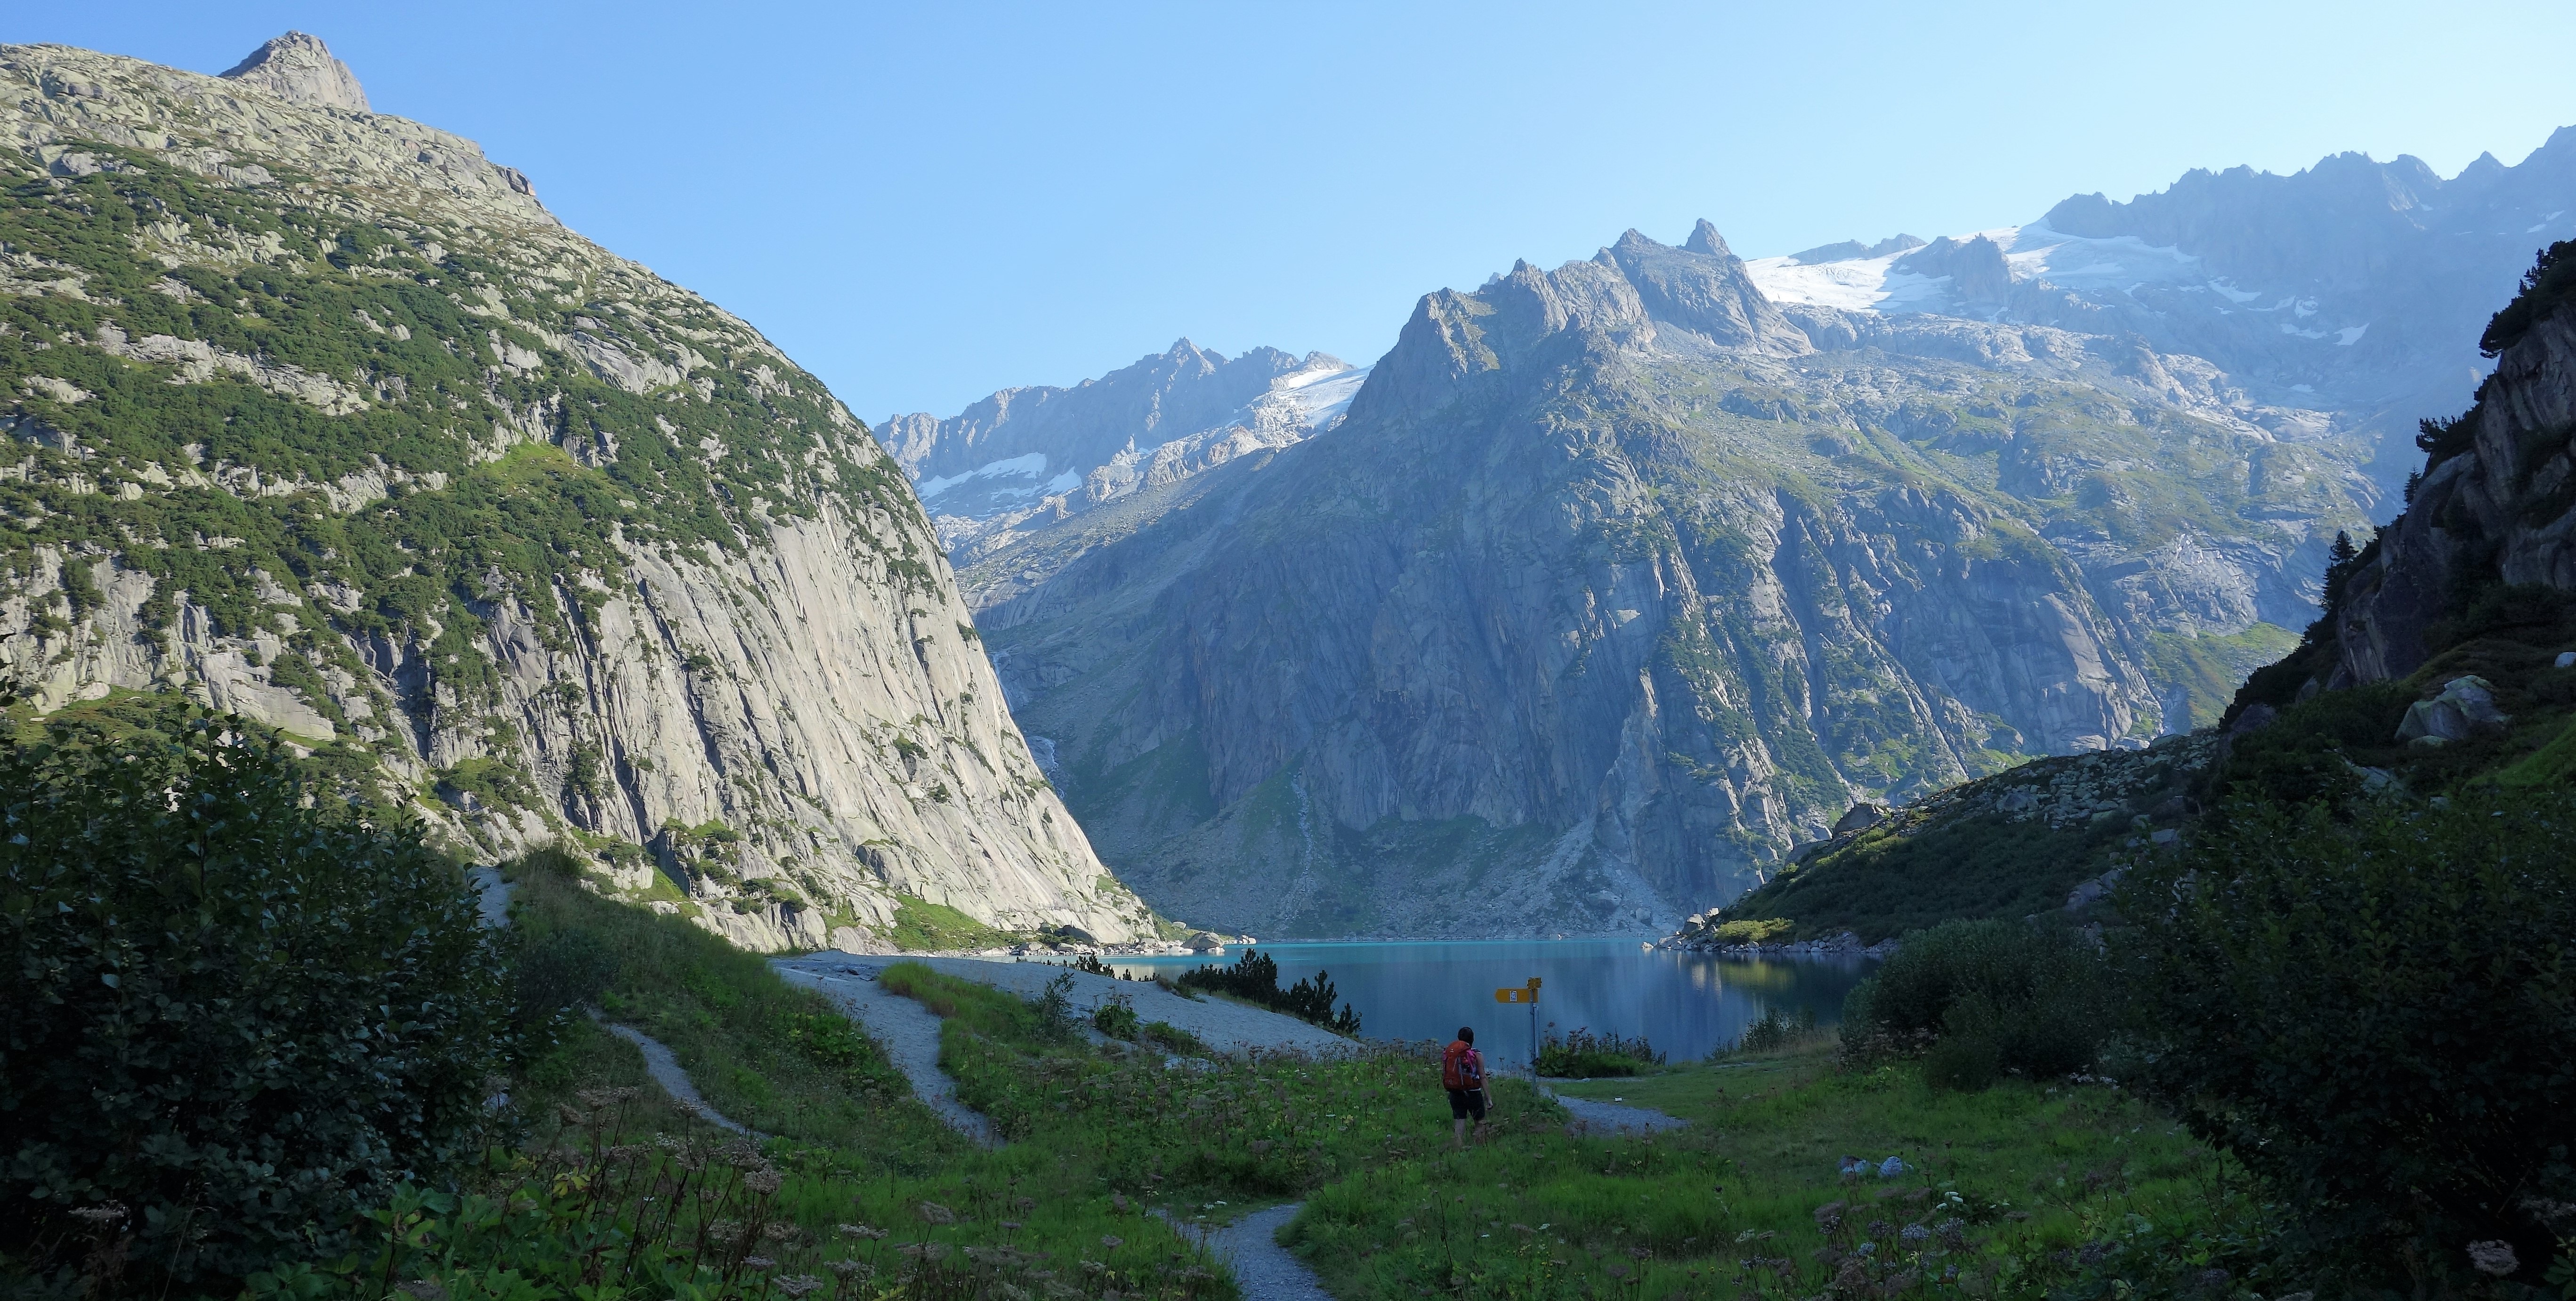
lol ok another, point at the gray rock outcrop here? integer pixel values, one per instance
(300, 70)
(2497, 503)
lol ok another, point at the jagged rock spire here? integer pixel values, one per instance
(300, 70)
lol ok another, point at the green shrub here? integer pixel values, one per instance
(1772, 1031)
(1584, 1055)
(231, 1016)
(2374, 1009)
(1175, 1038)
(1984, 999)
(1116, 1018)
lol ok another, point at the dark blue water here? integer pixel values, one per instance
(1685, 1003)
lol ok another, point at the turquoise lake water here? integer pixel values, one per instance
(1686, 1003)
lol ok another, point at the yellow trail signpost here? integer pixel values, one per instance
(1525, 994)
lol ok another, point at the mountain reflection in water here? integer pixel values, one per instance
(1686, 1003)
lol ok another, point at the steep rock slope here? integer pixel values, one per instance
(1616, 583)
(318, 415)
(1023, 460)
(2496, 503)
(2444, 666)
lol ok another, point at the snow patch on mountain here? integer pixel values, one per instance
(1014, 467)
(1323, 395)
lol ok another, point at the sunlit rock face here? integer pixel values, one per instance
(319, 416)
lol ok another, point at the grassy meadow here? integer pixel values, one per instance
(2023, 1189)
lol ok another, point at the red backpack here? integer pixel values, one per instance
(1461, 1067)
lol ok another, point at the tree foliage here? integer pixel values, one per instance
(237, 1010)
(2546, 287)
(2373, 1008)
(1984, 998)
(1254, 977)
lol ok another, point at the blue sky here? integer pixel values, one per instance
(925, 203)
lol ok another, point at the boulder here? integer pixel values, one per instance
(2089, 892)
(1860, 817)
(2466, 706)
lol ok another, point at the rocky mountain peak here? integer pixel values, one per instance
(299, 69)
(1976, 267)
(1705, 292)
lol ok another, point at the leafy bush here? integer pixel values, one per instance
(2375, 1010)
(1053, 1010)
(1254, 978)
(1984, 999)
(1584, 1055)
(1772, 1031)
(1175, 1038)
(232, 1016)
(1116, 1017)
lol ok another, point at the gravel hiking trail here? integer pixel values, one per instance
(907, 1031)
(665, 1070)
(1250, 1249)
(1616, 1117)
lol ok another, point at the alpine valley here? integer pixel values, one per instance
(1611, 586)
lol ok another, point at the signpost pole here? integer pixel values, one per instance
(1525, 994)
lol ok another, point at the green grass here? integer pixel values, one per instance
(2553, 764)
(1883, 885)
(735, 1027)
(1099, 1135)
(1223, 1128)
(2209, 669)
(857, 1145)
(2027, 1170)
(921, 926)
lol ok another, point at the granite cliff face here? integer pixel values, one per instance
(319, 416)
(2497, 500)
(1618, 581)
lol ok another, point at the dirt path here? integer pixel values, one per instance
(1617, 1117)
(1250, 1249)
(907, 1031)
(665, 1070)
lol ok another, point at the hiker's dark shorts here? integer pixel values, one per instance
(1467, 1103)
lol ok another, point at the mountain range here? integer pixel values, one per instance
(1605, 592)
(1615, 584)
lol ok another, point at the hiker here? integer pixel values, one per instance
(1462, 1072)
